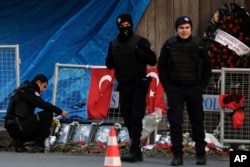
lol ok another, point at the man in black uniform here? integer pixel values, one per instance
(129, 54)
(184, 69)
(21, 121)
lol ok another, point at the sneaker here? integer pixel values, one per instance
(176, 161)
(19, 147)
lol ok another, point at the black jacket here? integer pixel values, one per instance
(25, 99)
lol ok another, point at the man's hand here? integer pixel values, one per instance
(64, 114)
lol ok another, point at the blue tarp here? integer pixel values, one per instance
(63, 31)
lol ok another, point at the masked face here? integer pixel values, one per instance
(126, 32)
(125, 28)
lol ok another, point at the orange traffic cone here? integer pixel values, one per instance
(112, 158)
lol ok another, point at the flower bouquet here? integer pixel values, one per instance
(72, 129)
(94, 128)
(118, 128)
(55, 126)
(122, 135)
(228, 37)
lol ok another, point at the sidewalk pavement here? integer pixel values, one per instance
(10, 159)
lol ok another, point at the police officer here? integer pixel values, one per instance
(184, 70)
(21, 121)
(129, 54)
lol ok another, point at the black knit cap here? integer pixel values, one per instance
(182, 20)
(123, 18)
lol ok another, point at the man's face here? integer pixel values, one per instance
(184, 30)
(42, 86)
(84, 130)
(122, 133)
(124, 24)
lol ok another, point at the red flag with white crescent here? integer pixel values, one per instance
(102, 81)
(155, 95)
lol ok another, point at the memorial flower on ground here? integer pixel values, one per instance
(55, 125)
(228, 38)
(118, 128)
(73, 126)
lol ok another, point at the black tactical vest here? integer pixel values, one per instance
(127, 68)
(185, 63)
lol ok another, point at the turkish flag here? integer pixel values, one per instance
(155, 95)
(102, 81)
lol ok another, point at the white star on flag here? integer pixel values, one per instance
(151, 93)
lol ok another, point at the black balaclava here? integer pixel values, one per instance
(125, 32)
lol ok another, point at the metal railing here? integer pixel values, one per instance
(9, 73)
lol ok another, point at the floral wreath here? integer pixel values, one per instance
(228, 37)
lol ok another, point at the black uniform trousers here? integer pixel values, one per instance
(132, 106)
(34, 128)
(177, 97)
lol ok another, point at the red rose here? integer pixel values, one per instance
(230, 25)
(224, 56)
(240, 38)
(234, 30)
(236, 21)
(224, 50)
(214, 49)
(229, 61)
(229, 17)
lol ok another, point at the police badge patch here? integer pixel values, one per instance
(37, 94)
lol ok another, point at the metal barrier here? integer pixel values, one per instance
(76, 78)
(216, 120)
(9, 71)
(235, 80)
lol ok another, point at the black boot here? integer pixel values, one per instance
(200, 153)
(201, 159)
(38, 147)
(19, 147)
(177, 161)
(139, 155)
(133, 156)
(130, 157)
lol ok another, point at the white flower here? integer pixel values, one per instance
(117, 125)
(74, 123)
